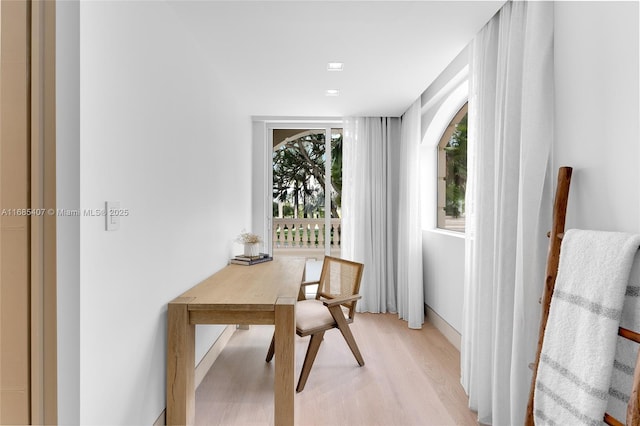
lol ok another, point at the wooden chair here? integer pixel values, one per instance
(333, 307)
(553, 260)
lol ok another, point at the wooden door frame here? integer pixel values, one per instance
(37, 26)
(44, 403)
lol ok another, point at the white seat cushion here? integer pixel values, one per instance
(312, 314)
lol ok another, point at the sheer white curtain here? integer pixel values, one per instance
(410, 284)
(368, 207)
(375, 208)
(508, 207)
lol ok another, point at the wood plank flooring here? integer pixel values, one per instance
(410, 377)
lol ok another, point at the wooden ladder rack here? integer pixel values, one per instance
(553, 259)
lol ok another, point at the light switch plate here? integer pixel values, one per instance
(112, 216)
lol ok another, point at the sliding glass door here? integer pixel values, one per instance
(306, 190)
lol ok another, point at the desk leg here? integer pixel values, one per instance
(285, 360)
(181, 402)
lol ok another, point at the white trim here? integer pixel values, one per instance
(461, 77)
(267, 188)
(270, 124)
(313, 125)
(446, 112)
(293, 120)
(328, 185)
(441, 164)
(450, 333)
(429, 151)
(447, 232)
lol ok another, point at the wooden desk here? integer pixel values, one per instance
(259, 294)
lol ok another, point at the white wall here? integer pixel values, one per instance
(597, 133)
(68, 196)
(596, 67)
(443, 251)
(160, 135)
(259, 206)
(443, 272)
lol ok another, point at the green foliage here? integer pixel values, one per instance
(336, 173)
(456, 179)
(299, 176)
(287, 210)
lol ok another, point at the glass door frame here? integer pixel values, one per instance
(327, 126)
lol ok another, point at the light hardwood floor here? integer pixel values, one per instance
(410, 377)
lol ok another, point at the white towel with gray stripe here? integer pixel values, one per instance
(626, 350)
(577, 357)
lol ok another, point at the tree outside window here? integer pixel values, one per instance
(452, 174)
(299, 176)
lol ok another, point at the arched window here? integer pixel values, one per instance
(452, 173)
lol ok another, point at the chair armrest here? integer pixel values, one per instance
(303, 287)
(340, 300)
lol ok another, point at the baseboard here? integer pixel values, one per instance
(450, 333)
(162, 419)
(204, 365)
(207, 361)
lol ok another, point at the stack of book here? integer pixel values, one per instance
(251, 260)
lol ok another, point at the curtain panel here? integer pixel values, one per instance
(380, 213)
(410, 281)
(368, 206)
(508, 207)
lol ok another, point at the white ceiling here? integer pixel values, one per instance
(273, 55)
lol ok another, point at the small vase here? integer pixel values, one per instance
(251, 249)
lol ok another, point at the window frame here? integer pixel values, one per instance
(441, 173)
(323, 125)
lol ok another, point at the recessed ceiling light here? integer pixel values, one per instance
(335, 66)
(332, 92)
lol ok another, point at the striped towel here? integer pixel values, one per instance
(577, 357)
(626, 350)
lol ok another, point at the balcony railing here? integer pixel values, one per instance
(305, 234)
